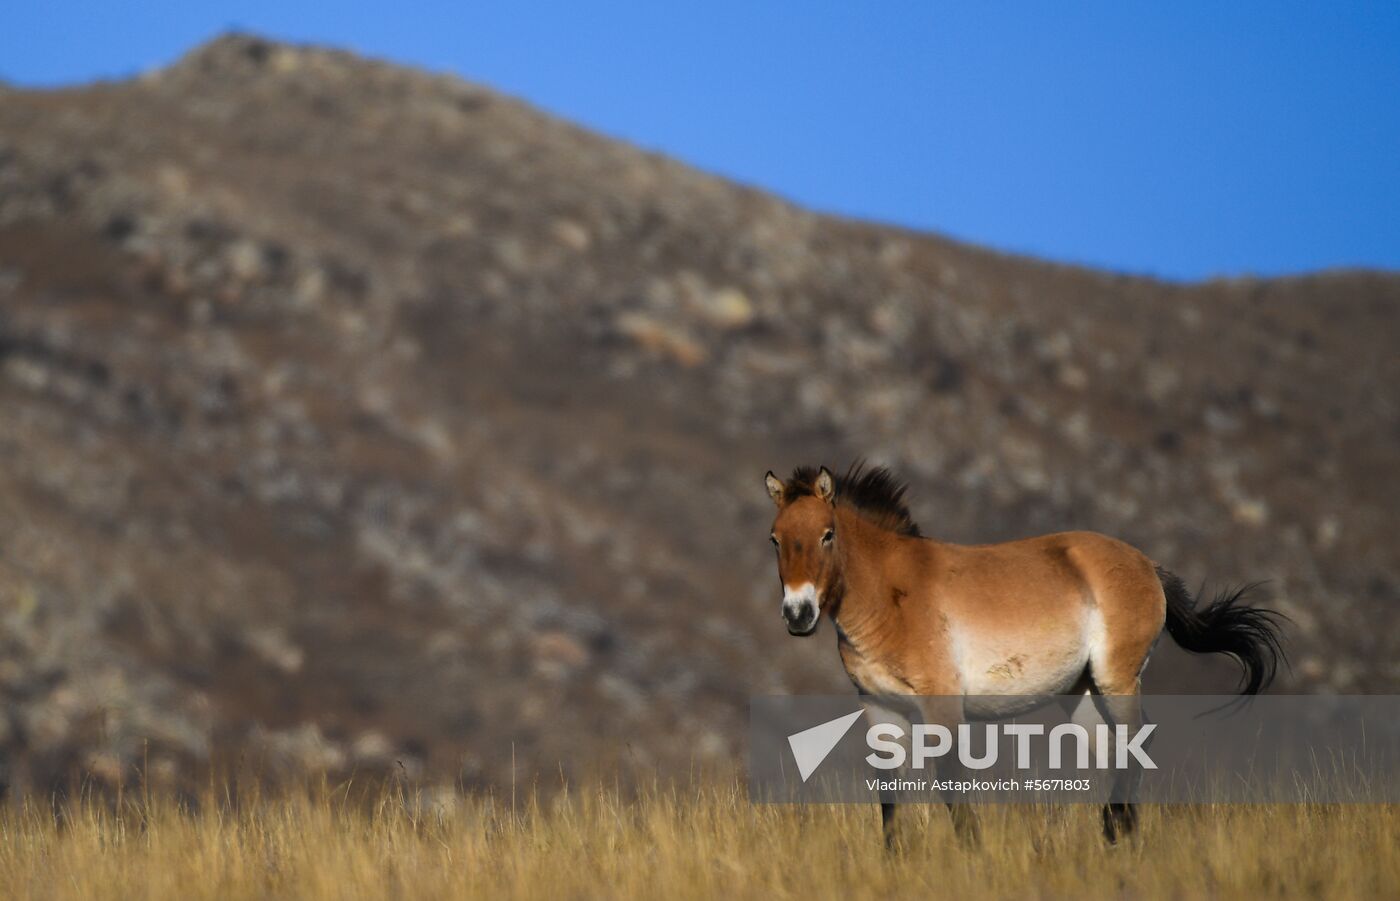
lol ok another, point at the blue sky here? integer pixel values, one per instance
(1183, 139)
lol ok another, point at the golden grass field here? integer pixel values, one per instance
(699, 842)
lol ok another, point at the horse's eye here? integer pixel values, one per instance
(827, 536)
(774, 539)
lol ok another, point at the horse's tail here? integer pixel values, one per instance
(1226, 626)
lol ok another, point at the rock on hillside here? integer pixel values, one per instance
(354, 418)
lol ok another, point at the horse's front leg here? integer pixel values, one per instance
(947, 711)
(882, 710)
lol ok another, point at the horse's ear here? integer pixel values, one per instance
(826, 485)
(775, 487)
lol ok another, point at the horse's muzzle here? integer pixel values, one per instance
(801, 617)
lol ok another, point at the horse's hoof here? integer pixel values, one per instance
(1119, 821)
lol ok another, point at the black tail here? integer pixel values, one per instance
(1226, 626)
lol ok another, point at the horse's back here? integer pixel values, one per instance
(1118, 582)
(1095, 560)
(1066, 562)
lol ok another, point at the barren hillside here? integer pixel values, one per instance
(357, 418)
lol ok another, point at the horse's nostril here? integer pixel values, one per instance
(799, 618)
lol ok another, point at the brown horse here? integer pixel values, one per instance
(940, 625)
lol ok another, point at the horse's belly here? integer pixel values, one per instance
(1000, 667)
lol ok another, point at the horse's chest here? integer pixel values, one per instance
(872, 675)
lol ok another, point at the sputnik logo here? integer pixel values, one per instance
(811, 746)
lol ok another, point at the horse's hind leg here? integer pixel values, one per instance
(1130, 609)
(1123, 708)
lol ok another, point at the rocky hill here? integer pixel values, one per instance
(354, 418)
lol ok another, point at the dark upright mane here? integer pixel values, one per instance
(874, 493)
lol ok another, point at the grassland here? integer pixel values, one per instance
(699, 842)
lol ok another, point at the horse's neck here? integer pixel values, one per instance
(865, 615)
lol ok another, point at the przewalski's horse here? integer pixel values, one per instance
(942, 624)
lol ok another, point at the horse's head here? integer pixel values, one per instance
(804, 535)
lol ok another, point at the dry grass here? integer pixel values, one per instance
(704, 842)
